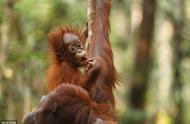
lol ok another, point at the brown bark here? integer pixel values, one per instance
(143, 58)
(90, 16)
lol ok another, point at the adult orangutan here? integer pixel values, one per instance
(69, 104)
(68, 88)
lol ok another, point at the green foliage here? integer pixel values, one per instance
(133, 117)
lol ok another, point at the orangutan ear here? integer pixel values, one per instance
(84, 34)
(61, 55)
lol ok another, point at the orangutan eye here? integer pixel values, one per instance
(73, 49)
(79, 45)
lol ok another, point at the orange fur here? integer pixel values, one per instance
(61, 71)
(74, 106)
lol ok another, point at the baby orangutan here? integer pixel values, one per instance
(68, 56)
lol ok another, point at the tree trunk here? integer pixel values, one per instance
(178, 23)
(90, 17)
(9, 27)
(142, 63)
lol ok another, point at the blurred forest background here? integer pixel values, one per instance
(151, 44)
